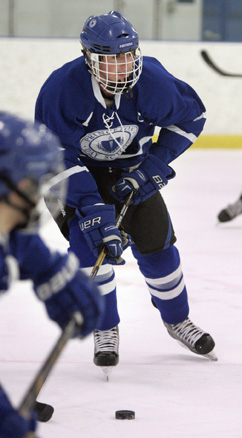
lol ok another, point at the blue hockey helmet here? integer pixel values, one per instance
(109, 33)
(111, 40)
(29, 151)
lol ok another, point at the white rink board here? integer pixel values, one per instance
(25, 63)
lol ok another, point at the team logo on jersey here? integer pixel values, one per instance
(101, 145)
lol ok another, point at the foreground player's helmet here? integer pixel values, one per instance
(29, 151)
(104, 38)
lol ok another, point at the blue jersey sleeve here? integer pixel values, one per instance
(82, 189)
(175, 107)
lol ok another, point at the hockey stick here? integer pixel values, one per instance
(30, 397)
(206, 57)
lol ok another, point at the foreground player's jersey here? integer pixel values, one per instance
(93, 134)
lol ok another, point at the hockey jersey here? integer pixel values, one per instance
(70, 103)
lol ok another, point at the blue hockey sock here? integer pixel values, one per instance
(107, 285)
(105, 277)
(164, 278)
(111, 317)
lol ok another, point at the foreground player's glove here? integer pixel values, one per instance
(98, 227)
(13, 425)
(151, 176)
(71, 292)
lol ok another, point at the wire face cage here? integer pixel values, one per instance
(116, 72)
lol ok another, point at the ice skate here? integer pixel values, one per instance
(106, 345)
(192, 337)
(230, 212)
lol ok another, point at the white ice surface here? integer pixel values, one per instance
(174, 393)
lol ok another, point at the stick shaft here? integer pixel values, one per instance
(34, 389)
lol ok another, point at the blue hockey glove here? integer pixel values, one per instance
(71, 292)
(98, 226)
(151, 176)
(13, 425)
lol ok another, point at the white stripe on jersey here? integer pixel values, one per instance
(202, 116)
(179, 131)
(66, 174)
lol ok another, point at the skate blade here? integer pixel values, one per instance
(107, 371)
(210, 356)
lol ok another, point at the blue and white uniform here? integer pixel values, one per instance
(97, 135)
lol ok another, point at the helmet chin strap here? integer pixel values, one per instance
(125, 90)
(15, 189)
(128, 93)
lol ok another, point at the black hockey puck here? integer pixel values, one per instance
(124, 415)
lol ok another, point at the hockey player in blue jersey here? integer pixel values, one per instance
(105, 106)
(30, 161)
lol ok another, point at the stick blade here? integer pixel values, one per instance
(206, 57)
(43, 411)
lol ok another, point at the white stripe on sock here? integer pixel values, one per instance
(169, 295)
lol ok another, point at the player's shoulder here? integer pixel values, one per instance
(65, 88)
(69, 74)
(149, 62)
(72, 67)
(155, 80)
(153, 70)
